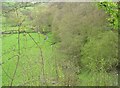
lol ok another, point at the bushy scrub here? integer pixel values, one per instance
(100, 53)
(80, 36)
(79, 22)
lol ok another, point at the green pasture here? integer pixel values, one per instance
(29, 71)
(30, 61)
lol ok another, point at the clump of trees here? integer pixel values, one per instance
(41, 19)
(82, 33)
(15, 12)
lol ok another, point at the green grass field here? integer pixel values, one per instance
(29, 71)
(30, 62)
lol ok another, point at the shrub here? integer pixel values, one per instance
(79, 22)
(100, 53)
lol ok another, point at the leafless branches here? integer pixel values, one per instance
(18, 53)
(41, 57)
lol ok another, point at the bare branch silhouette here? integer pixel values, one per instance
(41, 57)
(18, 52)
